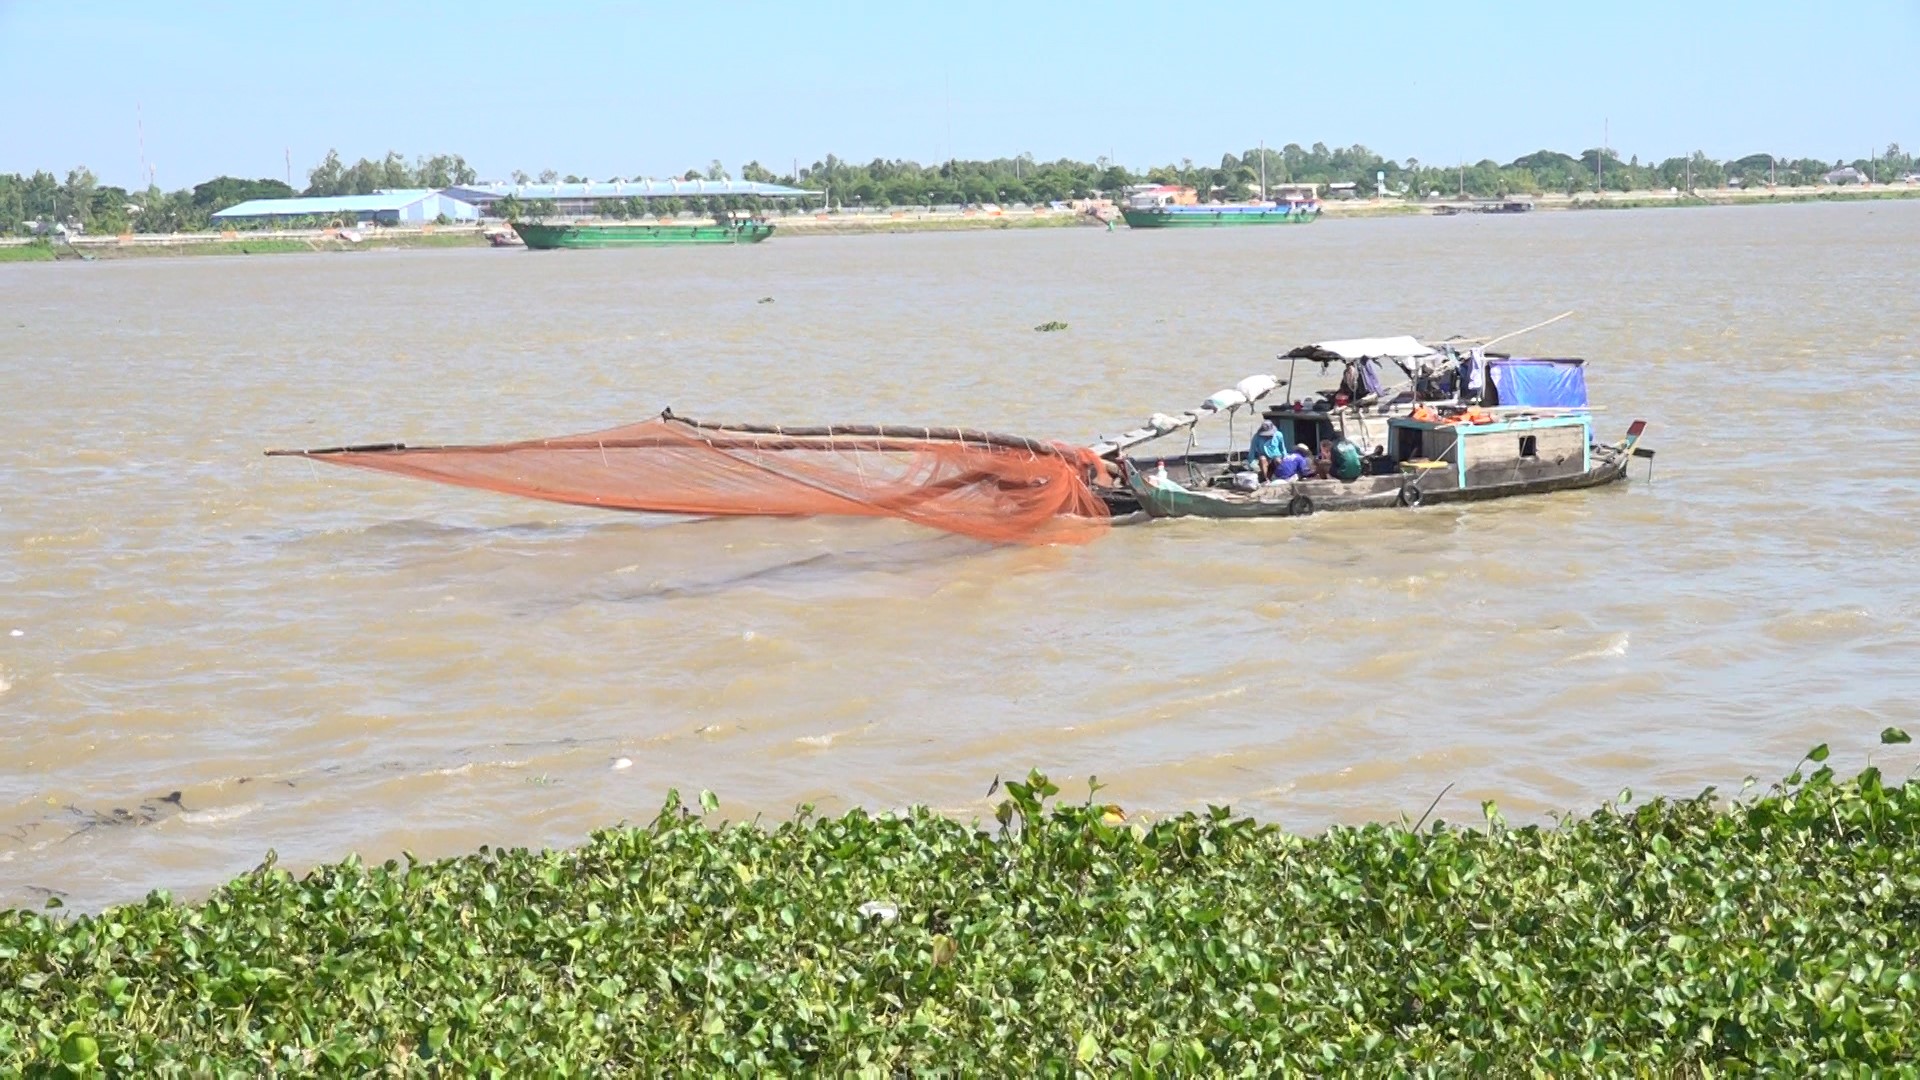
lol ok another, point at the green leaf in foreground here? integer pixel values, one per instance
(1772, 935)
(1894, 736)
(78, 1049)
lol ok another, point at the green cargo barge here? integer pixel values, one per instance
(1207, 217)
(543, 237)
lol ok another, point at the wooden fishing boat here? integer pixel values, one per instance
(1468, 424)
(1493, 460)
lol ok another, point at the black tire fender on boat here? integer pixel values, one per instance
(1410, 495)
(1299, 506)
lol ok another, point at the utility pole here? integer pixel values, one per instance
(289, 151)
(1600, 162)
(1263, 170)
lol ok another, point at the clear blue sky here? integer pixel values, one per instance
(605, 89)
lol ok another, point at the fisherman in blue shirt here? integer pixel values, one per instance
(1266, 450)
(1297, 465)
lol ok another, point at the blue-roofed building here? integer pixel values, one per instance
(402, 207)
(582, 199)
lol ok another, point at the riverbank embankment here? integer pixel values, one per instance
(879, 222)
(276, 242)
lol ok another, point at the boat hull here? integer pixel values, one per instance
(1295, 499)
(1214, 217)
(1366, 493)
(541, 236)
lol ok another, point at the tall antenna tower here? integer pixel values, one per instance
(140, 132)
(1600, 162)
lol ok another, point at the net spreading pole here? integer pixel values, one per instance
(1527, 330)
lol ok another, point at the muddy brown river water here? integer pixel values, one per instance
(321, 661)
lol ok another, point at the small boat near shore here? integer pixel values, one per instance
(547, 236)
(1484, 206)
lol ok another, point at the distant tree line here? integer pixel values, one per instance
(391, 173)
(1237, 177)
(41, 201)
(80, 201)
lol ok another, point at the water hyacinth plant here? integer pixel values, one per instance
(1778, 933)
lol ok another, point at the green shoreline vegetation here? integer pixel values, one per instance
(38, 251)
(1774, 933)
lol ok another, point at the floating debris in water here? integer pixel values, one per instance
(622, 763)
(147, 813)
(766, 300)
(1050, 327)
(16, 633)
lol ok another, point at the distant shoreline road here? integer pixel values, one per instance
(880, 222)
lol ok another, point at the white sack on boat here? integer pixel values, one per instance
(1224, 400)
(1255, 387)
(1163, 423)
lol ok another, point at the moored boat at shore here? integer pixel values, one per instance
(1172, 206)
(545, 236)
(1209, 217)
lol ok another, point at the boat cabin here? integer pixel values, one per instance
(1493, 453)
(1314, 426)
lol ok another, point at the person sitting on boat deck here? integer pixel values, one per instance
(1297, 465)
(1323, 464)
(1346, 463)
(1266, 450)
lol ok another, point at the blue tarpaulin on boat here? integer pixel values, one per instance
(1541, 383)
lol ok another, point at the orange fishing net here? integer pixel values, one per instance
(993, 487)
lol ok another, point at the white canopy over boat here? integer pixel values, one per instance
(1385, 348)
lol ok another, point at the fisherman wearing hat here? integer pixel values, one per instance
(1266, 451)
(1297, 465)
